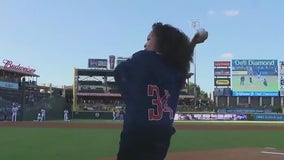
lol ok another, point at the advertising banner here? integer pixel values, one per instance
(281, 68)
(9, 85)
(218, 91)
(100, 94)
(207, 116)
(222, 72)
(222, 81)
(227, 92)
(97, 63)
(8, 64)
(111, 61)
(281, 73)
(268, 117)
(281, 92)
(222, 91)
(244, 110)
(222, 63)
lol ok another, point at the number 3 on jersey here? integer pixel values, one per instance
(160, 104)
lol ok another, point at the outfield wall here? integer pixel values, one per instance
(92, 115)
(228, 117)
(268, 117)
(194, 116)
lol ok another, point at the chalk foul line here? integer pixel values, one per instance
(274, 153)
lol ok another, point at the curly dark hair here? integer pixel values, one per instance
(174, 46)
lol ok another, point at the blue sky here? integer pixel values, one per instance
(56, 36)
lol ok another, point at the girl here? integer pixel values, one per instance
(150, 83)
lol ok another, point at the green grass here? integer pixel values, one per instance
(92, 144)
(57, 144)
(257, 84)
(201, 140)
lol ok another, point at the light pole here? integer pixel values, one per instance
(195, 25)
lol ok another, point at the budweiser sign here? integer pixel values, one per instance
(17, 67)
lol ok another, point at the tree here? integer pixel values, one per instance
(199, 93)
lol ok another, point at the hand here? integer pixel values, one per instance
(200, 36)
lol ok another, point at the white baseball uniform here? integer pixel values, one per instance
(42, 114)
(14, 113)
(39, 117)
(66, 115)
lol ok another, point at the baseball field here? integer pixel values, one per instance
(98, 140)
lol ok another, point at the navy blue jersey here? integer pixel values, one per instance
(150, 89)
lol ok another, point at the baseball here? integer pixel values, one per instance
(201, 31)
(202, 35)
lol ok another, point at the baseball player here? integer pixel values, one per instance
(42, 111)
(113, 114)
(150, 84)
(15, 109)
(65, 114)
(39, 117)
